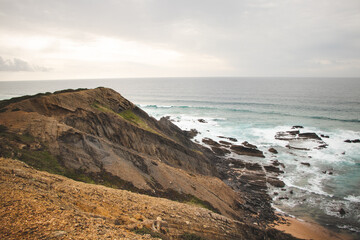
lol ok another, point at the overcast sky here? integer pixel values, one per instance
(69, 39)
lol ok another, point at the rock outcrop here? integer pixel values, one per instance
(97, 136)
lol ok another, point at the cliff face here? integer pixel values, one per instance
(98, 136)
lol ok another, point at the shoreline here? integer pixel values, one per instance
(307, 230)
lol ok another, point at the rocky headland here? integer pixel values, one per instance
(97, 136)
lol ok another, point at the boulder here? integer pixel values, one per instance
(276, 182)
(273, 150)
(202, 120)
(241, 150)
(297, 127)
(305, 163)
(248, 145)
(273, 169)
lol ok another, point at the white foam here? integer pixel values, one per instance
(352, 198)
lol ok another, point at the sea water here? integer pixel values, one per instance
(254, 110)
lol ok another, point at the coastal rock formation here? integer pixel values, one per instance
(248, 151)
(97, 136)
(301, 141)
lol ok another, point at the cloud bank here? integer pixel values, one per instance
(18, 65)
(139, 38)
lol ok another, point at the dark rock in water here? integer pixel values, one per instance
(356, 141)
(330, 173)
(276, 182)
(291, 192)
(324, 136)
(347, 141)
(305, 163)
(191, 133)
(342, 212)
(246, 144)
(276, 193)
(309, 135)
(283, 198)
(288, 135)
(297, 127)
(220, 151)
(211, 142)
(324, 172)
(202, 120)
(298, 148)
(229, 138)
(241, 150)
(273, 169)
(273, 150)
(225, 143)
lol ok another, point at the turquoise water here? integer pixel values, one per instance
(253, 110)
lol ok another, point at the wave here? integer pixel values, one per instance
(353, 198)
(248, 111)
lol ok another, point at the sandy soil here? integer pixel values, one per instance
(308, 230)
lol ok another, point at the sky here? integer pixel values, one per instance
(77, 39)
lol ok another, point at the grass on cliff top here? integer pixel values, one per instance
(129, 116)
(7, 102)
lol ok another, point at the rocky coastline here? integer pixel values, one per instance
(97, 136)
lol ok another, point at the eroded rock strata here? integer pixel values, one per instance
(97, 136)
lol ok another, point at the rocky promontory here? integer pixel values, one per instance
(97, 136)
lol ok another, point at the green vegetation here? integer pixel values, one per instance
(190, 236)
(200, 203)
(127, 115)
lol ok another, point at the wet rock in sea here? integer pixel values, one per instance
(210, 142)
(249, 145)
(301, 141)
(305, 163)
(273, 150)
(273, 169)
(191, 133)
(229, 138)
(220, 151)
(347, 141)
(324, 136)
(297, 127)
(352, 141)
(276, 182)
(225, 143)
(342, 212)
(241, 150)
(202, 120)
(284, 198)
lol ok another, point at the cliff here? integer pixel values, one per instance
(97, 136)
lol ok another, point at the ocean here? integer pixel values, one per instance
(254, 110)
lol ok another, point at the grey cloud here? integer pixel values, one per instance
(260, 37)
(18, 65)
